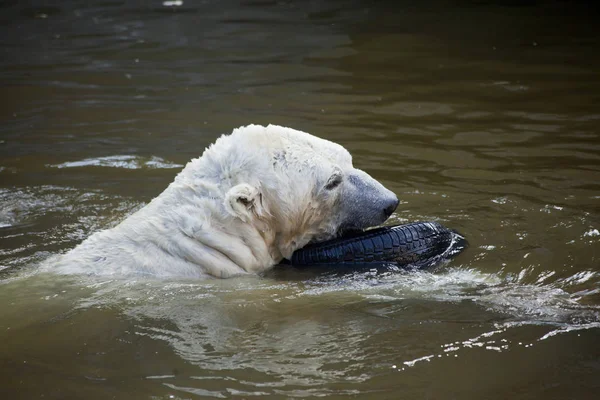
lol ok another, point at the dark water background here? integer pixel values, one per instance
(483, 115)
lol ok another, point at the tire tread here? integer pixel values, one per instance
(403, 244)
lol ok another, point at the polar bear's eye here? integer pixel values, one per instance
(334, 181)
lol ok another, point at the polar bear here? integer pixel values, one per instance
(250, 200)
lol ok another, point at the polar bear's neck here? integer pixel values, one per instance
(190, 222)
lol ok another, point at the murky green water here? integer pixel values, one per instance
(481, 115)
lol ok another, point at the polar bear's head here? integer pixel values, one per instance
(287, 186)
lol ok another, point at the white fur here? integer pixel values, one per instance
(250, 200)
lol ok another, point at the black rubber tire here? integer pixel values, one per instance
(418, 244)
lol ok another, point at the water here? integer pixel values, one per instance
(481, 115)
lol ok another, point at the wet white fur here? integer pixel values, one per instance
(250, 200)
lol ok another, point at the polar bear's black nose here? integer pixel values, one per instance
(393, 204)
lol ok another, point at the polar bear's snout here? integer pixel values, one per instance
(366, 202)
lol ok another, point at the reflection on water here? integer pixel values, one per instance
(481, 115)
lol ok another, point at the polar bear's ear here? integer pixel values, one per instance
(245, 202)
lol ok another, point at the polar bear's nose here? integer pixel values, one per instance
(392, 205)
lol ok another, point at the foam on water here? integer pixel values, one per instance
(120, 161)
(526, 303)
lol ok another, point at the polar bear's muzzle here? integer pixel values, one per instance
(365, 203)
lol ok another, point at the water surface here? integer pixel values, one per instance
(481, 115)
